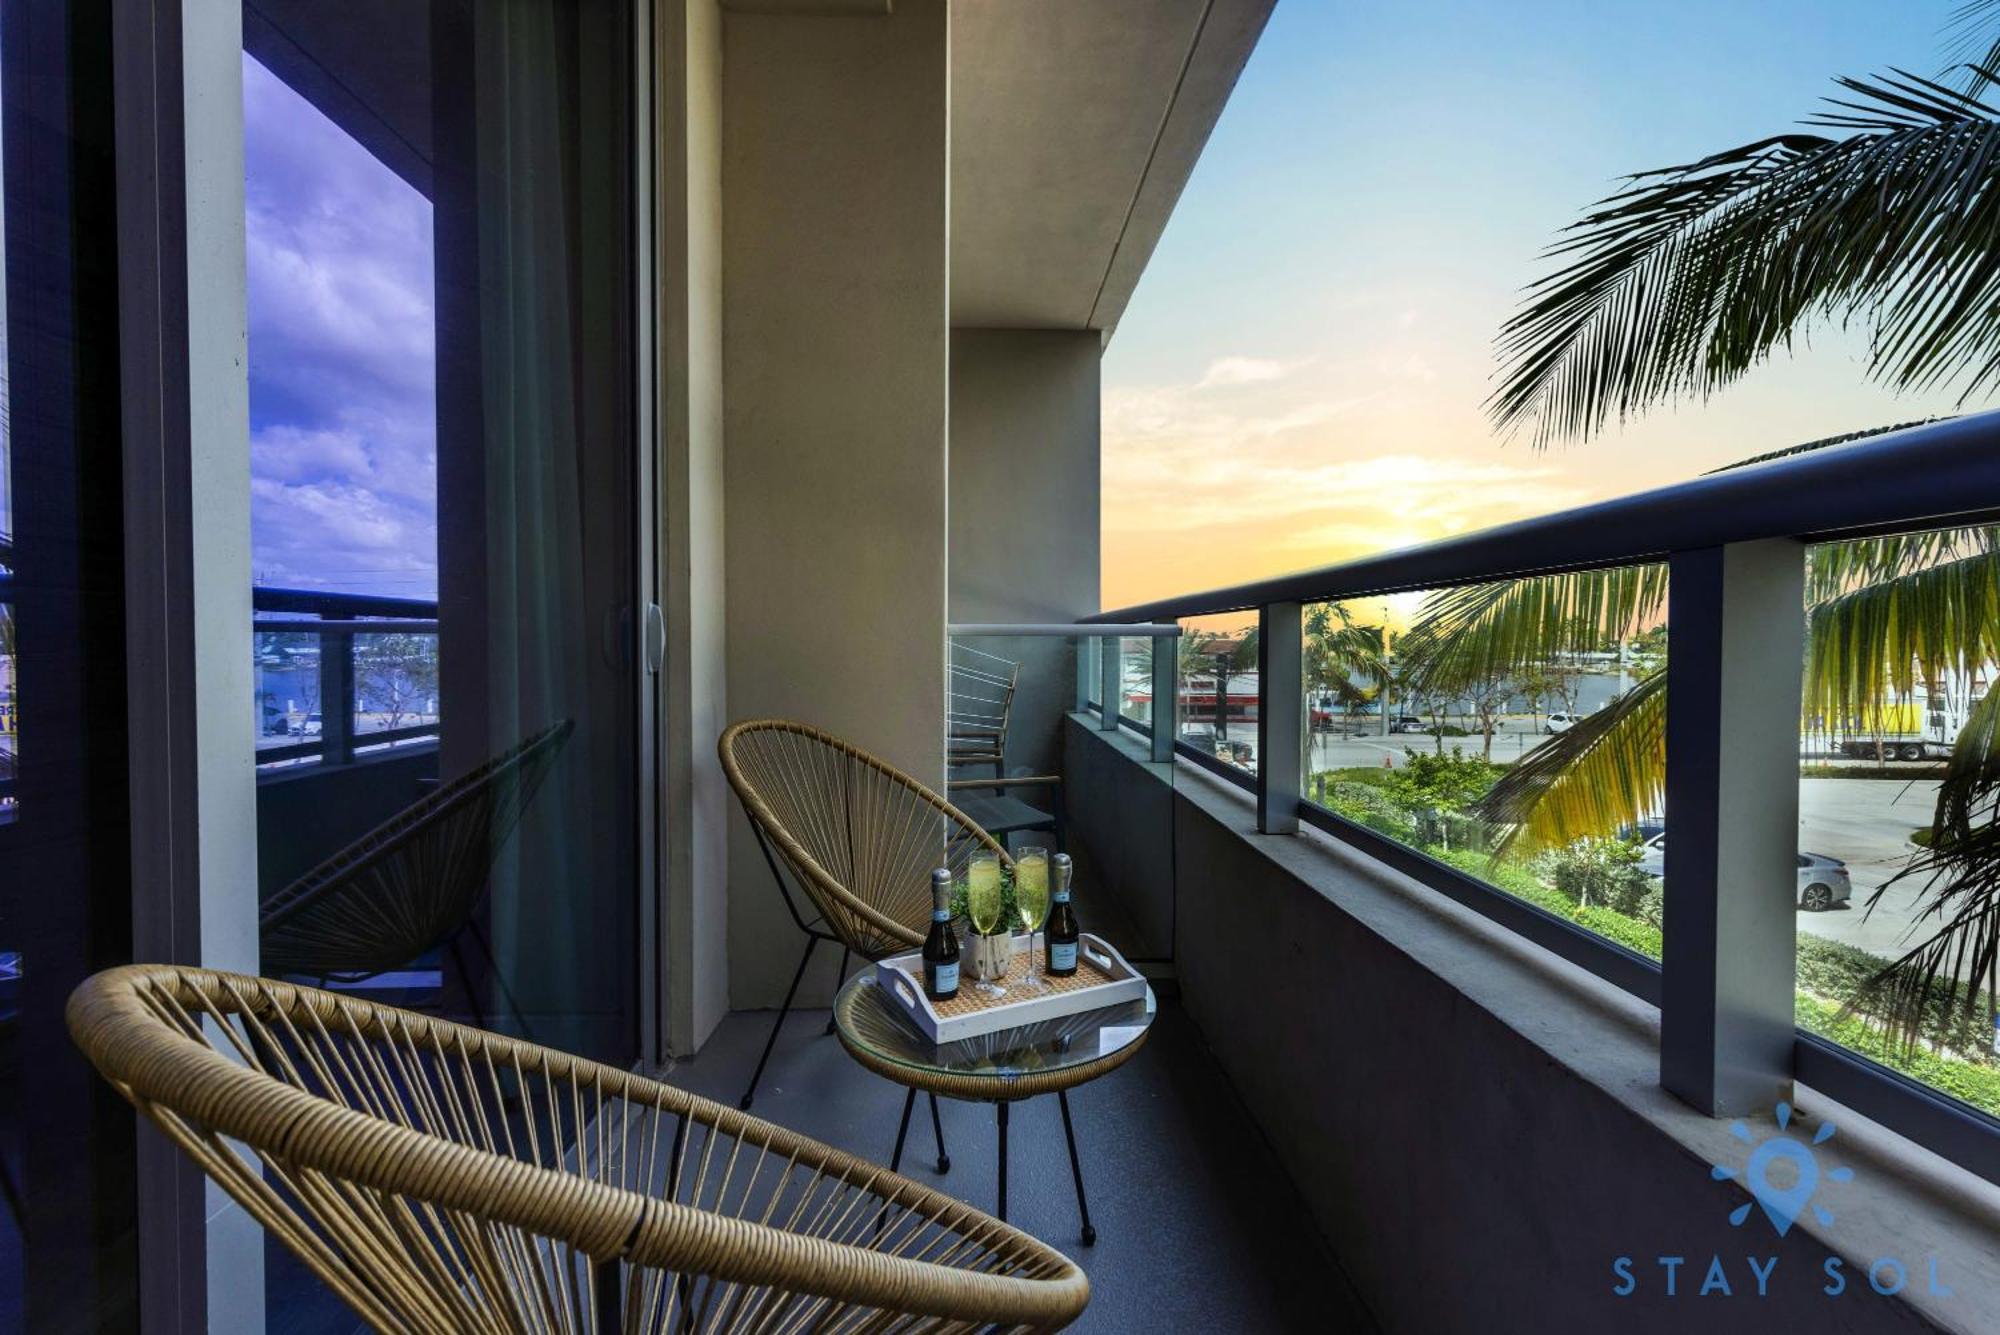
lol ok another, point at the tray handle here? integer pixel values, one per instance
(1102, 961)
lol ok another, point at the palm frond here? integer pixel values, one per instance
(1607, 773)
(1483, 632)
(1678, 285)
(1869, 648)
(1837, 568)
(1974, 53)
(1956, 968)
(1823, 442)
(1338, 649)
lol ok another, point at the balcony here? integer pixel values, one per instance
(771, 387)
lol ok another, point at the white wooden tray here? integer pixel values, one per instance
(1102, 978)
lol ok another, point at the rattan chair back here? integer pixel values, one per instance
(440, 1178)
(410, 882)
(860, 836)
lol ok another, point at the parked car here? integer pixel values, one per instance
(1407, 723)
(1559, 722)
(1823, 881)
(310, 726)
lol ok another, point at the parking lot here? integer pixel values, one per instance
(1865, 823)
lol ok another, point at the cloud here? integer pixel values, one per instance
(1300, 471)
(343, 358)
(1244, 371)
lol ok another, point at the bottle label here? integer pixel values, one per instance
(940, 915)
(947, 978)
(1062, 955)
(1062, 895)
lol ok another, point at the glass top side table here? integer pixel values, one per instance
(1002, 1068)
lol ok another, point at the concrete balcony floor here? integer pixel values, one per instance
(1198, 1227)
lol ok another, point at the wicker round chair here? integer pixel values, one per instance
(410, 883)
(860, 838)
(441, 1178)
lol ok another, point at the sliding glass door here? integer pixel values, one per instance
(447, 492)
(67, 1224)
(440, 240)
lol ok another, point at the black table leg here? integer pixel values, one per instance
(1076, 1170)
(937, 1129)
(838, 979)
(903, 1129)
(1002, 1106)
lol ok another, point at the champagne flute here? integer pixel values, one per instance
(1031, 903)
(982, 903)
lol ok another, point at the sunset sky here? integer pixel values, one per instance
(1299, 377)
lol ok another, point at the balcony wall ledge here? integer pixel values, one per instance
(1479, 1126)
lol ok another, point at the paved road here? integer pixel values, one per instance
(1331, 751)
(1866, 823)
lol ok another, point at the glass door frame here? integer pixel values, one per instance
(184, 393)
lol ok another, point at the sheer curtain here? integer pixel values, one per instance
(536, 496)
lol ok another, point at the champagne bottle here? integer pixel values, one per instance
(1061, 931)
(941, 946)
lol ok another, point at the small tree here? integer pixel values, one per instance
(400, 674)
(1488, 697)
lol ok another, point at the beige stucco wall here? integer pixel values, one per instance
(1024, 537)
(834, 183)
(695, 798)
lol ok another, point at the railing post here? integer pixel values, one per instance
(1166, 696)
(1110, 656)
(1083, 677)
(336, 697)
(1736, 619)
(1280, 698)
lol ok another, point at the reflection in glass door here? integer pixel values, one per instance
(440, 256)
(67, 1243)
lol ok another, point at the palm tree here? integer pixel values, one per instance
(1883, 214)
(1683, 282)
(1341, 655)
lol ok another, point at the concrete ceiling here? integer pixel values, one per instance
(366, 64)
(1075, 123)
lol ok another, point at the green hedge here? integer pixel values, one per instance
(1976, 1083)
(1954, 1060)
(1519, 882)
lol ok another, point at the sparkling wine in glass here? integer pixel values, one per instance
(982, 903)
(1031, 904)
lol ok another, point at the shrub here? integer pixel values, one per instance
(1456, 829)
(1976, 1083)
(1449, 782)
(1836, 972)
(1372, 806)
(1637, 936)
(1599, 873)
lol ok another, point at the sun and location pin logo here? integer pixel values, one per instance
(1782, 1204)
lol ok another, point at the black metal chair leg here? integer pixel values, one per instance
(607, 1302)
(500, 978)
(1076, 1170)
(937, 1129)
(838, 979)
(1002, 1106)
(465, 983)
(778, 1023)
(896, 1159)
(902, 1131)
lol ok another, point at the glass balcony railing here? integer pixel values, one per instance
(1439, 722)
(342, 675)
(1491, 716)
